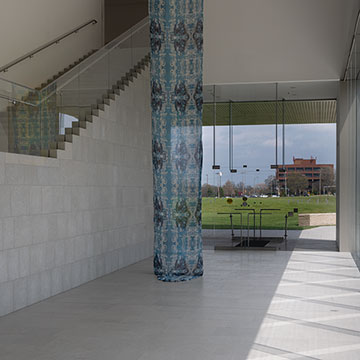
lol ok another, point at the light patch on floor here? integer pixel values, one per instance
(249, 305)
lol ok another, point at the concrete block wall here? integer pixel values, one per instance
(89, 212)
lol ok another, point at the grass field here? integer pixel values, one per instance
(312, 204)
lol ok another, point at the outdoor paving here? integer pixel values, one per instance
(322, 238)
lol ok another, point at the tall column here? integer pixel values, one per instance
(176, 31)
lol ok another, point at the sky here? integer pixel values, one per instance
(255, 146)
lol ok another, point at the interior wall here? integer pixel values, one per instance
(89, 212)
(121, 15)
(26, 25)
(346, 167)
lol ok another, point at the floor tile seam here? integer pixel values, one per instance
(321, 302)
(280, 323)
(323, 351)
(321, 272)
(338, 288)
(292, 282)
(320, 297)
(312, 253)
(293, 270)
(322, 263)
(316, 325)
(284, 354)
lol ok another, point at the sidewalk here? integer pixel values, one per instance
(322, 238)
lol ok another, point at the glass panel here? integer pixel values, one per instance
(356, 61)
(4, 125)
(68, 100)
(94, 82)
(30, 120)
(120, 61)
(140, 44)
(24, 129)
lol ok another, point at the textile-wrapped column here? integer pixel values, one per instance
(176, 30)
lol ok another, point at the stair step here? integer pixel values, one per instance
(68, 138)
(120, 85)
(60, 137)
(61, 145)
(89, 118)
(79, 124)
(76, 131)
(53, 153)
(44, 152)
(95, 112)
(57, 145)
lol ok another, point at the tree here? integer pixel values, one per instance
(208, 190)
(229, 188)
(327, 178)
(297, 183)
(270, 182)
(221, 192)
(261, 189)
(239, 188)
(248, 190)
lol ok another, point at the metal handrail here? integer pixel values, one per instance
(30, 54)
(94, 58)
(15, 101)
(74, 72)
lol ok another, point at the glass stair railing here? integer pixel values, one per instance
(33, 121)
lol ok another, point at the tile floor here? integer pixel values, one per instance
(249, 305)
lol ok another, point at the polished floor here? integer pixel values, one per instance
(249, 305)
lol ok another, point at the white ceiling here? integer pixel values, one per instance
(276, 40)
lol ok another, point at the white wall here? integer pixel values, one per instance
(346, 168)
(28, 24)
(89, 212)
(277, 40)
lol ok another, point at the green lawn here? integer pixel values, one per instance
(312, 204)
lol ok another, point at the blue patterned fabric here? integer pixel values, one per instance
(176, 35)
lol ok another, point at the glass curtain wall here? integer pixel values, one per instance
(352, 117)
(353, 96)
(248, 131)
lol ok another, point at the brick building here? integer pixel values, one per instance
(307, 167)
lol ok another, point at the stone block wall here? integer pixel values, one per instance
(89, 212)
(317, 219)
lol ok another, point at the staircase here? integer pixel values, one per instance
(40, 121)
(62, 72)
(111, 94)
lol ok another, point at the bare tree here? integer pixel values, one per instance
(270, 182)
(239, 188)
(208, 190)
(327, 178)
(229, 188)
(261, 189)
